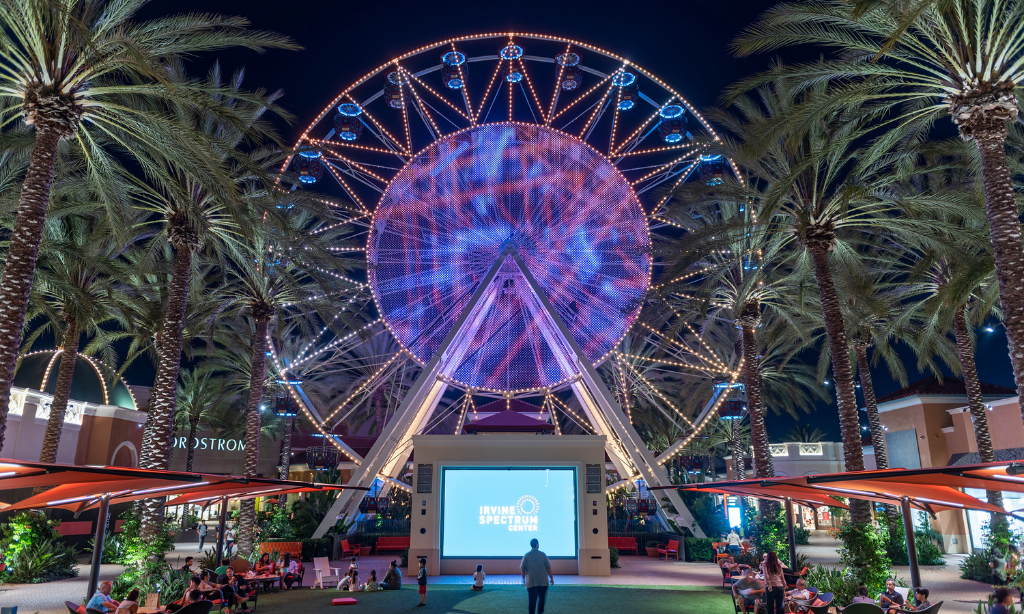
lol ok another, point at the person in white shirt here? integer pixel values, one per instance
(352, 581)
(799, 599)
(130, 605)
(734, 541)
(478, 578)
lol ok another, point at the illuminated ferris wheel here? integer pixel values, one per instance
(506, 187)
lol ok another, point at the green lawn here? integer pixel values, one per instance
(561, 599)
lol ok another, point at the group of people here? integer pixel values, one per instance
(350, 582)
(229, 537)
(768, 588)
(102, 601)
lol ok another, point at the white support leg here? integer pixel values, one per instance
(605, 405)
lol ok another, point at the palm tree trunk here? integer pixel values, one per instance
(193, 426)
(257, 376)
(286, 447)
(20, 266)
(976, 403)
(871, 404)
(59, 405)
(1004, 229)
(842, 372)
(156, 450)
(763, 465)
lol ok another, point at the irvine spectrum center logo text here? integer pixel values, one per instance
(519, 517)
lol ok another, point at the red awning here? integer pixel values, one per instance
(934, 489)
(79, 488)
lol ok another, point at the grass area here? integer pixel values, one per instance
(561, 599)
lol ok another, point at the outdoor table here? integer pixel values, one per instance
(266, 581)
(152, 610)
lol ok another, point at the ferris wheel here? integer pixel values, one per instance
(506, 187)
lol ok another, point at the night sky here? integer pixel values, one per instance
(683, 42)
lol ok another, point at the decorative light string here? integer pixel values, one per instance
(642, 127)
(597, 108)
(364, 385)
(674, 448)
(558, 87)
(660, 395)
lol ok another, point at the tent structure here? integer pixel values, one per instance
(80, 488)
(930, 490)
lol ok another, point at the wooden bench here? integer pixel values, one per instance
(392, 543)
(672, 547)
(623, 544)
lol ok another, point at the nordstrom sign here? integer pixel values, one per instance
(210, 443)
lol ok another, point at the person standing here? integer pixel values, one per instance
(536, 570)
(774, 583)
(733, 540)
(202, 535)
(229, 538)
(421, 579)
(998, 564)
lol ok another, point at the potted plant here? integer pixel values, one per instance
(652, 548)
(364, 550)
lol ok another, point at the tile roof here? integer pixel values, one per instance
(948, 386)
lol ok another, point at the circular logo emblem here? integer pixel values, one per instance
(527, 505)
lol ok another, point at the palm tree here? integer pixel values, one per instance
(827, 196)
(77, 291)
(85, 71)
(200, 399)
(921, 61)
(195, 214)
(805, 433)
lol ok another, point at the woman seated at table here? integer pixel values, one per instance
(288, 569)
(191, 595)
(212, 590)
(130, 605)
(241, 590)
(264, 566)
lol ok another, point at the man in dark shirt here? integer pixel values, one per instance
(188, 564)
(890, 600)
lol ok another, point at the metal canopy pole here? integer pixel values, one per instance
(97, 546)
(908, 530)
(791, 534)
(220, 531)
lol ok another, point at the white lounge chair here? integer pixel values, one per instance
(324, 573)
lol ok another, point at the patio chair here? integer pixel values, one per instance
(72, 607)
(94, 611)
(240, 566)
(740, 605)
(721, 550)
(860, 608)
(932, 609)
(198, 607)
(726, 577)
(324, 573)
(826, 598)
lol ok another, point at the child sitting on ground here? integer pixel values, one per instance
(478, 579)
(371, 584)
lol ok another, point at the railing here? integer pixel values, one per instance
(382, 525)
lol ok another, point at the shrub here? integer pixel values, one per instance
(927, 552)
(699, 549)
(975, 567)
(802, 534)
(839, 582)
(652, 543)
(143, 559)
(613, 557)
(768, 533)
(33, 551)
(322, 546)
(863, 553)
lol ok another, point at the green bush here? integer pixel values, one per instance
(975, 567)
(613, 557)
(143, 559)
(322, 546)
(927, 552)
(652, 543)
(768, 533)
(863, 553)
(839, 582)
(33, 551)
(802, 534)
(699, 549)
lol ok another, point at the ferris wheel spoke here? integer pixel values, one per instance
(487, 93)
(596, 115)
(529, 84)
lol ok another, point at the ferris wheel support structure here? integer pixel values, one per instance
(627, 451)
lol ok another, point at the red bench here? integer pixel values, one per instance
(80, 527)
(392, 543)
(623, 544)
(672, 547)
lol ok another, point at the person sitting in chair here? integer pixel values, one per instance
(862, 596)
(749, 588)
(101, 599)
(891, 600)
(732, 566)
(921, 599)
(799, 599)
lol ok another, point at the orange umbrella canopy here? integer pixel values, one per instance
(79, 488)
(932, 489)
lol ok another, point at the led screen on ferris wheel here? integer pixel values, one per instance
(573, 218)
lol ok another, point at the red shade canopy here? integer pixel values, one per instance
(79, 488)
(934, 489)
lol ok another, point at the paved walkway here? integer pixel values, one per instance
(960, 596)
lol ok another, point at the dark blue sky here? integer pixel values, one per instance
(683, 42)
